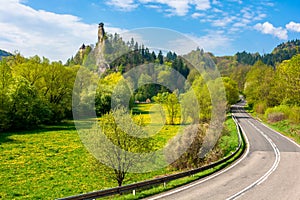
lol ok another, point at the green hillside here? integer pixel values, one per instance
(4, 54)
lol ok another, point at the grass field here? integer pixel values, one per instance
(52, 162)
(286, 127)
(155, 125)
(49, 163)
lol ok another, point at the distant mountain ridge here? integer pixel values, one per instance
(238, 65)
(290, 45)
(4, 54)
(284, 51)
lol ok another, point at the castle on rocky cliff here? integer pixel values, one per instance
(98, 51)
(101, 32)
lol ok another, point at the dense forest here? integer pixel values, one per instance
(270, 82)
(284, 51)
(193, 90)
(36, 91)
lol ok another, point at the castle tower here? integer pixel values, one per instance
(82, 51)
(101, 32)
(99, 50)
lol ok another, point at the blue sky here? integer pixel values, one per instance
(56, 28)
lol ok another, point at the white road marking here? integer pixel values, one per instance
(210, 177)
(268, 173)
(258, 182)
(289, 139)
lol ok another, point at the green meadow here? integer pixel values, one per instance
(51, 162)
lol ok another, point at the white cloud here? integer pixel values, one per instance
(216, 2)
(175, 7)
(268, 28)
(125, 5)
(197, 15)
(223, 22)
(216, 10)
(247, 14)
(201, 4)
(238, 1)
(292, 26)
(181, 43)
(239, 24)
(235, 1)
(157, 7)
(32, 32)
(223, 17)
(267, 3)
(260, 16)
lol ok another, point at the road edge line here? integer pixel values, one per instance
(268, 173)
(282, 135)
(213, 175)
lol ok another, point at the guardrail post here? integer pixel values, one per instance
(133, 192)
(165, 184)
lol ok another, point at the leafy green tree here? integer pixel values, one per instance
(160, 58)
(31, 70)
(84, 90)
(57, 89)
(123, 151)
(190, 107)
(287, 89)
(179, 66)
(203, 97)
(104, 91)
(259, 83)
(239, 75)
(171, 102)
(171, 56)
(26, 108)
(193, 75)
(231, 89)
(146, 88)
(6, 80)
(165, 77)
(173, 107)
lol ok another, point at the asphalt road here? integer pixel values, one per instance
(270, 169)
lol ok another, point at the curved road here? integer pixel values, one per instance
(270, 169)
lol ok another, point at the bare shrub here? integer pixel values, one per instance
(276, 117)
(186, 147)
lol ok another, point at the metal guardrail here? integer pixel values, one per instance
(157, 181)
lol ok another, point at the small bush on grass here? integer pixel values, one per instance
(283, 112)
(276, 117)
(278, 113)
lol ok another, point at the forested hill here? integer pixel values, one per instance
(4, 54)
(238, 66)
(123, 56)
(288, 46)
(284, 51)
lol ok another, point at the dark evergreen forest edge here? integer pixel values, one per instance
(35, 91)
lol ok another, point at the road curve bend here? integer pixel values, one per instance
(270, 169)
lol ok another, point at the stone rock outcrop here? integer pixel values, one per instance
(101, 32)
(102, 65)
